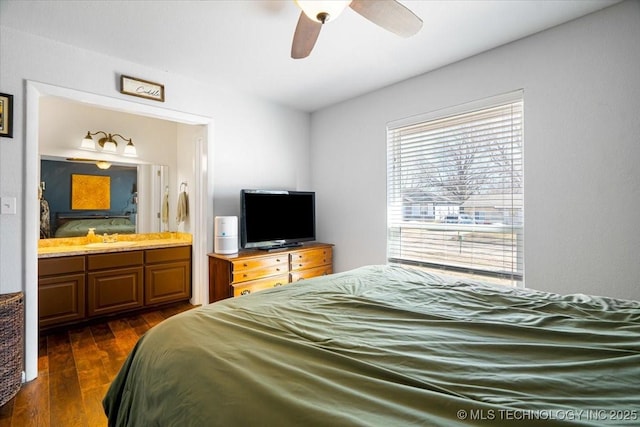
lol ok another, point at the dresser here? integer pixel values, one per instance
(254, 270)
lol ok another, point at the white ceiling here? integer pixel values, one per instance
(245, 45)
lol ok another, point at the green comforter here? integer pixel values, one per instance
(387, 346)
(79, 227)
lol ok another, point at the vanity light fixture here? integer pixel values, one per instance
(101, 164)
(108, 143)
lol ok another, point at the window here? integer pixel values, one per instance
(455, 189)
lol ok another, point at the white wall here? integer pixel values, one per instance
(156, 142)
(250, 143)
(582, 149)
(63, 123)
(256, 143)
(186, 158)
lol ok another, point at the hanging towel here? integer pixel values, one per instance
(165, 208)
(183, 207)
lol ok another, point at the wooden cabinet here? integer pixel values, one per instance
(255, 270)
(114, 282)
(61, 290)
(167, 275)
(72, 289)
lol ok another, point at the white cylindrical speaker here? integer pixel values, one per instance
(226, 235)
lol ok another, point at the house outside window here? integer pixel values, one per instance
(455, 190)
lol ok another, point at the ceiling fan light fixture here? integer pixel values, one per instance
(322, 10)
(388, 14)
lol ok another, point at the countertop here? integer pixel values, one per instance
(51, 248)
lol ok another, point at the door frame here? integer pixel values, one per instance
(202, 190)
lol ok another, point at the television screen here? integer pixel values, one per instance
(272, 219)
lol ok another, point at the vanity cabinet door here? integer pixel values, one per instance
(61, 299)
(167, 275)
(167, 282)
(61, 291)
(116, 290)
(114, 282)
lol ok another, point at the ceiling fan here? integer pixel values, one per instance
(388, 14)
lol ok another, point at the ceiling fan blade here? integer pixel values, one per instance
(390, 15)
(305, 36)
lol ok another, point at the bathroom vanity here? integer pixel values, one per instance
(80, 281)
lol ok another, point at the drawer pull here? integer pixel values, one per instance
(245, 265)
(245, 292)
(300, 279)
(277, 284)
(244, 275)
(277, 259)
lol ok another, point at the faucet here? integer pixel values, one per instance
(109, 239)
(91, 235)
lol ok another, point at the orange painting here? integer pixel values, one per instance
(90, 192)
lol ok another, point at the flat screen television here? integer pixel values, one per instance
(276, 219)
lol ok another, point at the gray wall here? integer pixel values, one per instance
(582, 148)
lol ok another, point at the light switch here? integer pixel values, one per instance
(7, 205)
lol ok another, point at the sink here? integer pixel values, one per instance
(101, 245)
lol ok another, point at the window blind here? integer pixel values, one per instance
(455, 189)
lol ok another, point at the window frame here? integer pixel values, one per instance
(448, 118)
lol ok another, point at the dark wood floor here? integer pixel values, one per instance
(75, 368)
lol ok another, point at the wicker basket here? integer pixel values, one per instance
(11, 344)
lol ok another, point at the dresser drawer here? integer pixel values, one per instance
(311, 272)
(253, 286)
(259, 262)
(302, 260)
(255, 268)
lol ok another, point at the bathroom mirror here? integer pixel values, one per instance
(128, 200)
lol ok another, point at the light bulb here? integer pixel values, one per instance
(130, 150)
(88, 143)
(103, 165)
(109, 147)
(321, 10)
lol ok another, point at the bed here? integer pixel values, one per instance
(387, 346)
(74, 225)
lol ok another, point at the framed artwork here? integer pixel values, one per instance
(141, 88)
(90, 192)
(6, 115)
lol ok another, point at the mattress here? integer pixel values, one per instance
(387, 346)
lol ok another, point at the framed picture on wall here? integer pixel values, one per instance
(90, 192)
(141, 88)
(6, 115)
